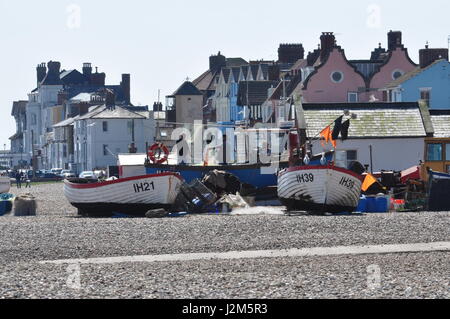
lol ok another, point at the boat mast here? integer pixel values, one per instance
(300, 124)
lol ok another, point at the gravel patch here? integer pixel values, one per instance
(58, 233)
(402, 276)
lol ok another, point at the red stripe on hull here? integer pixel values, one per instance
(335, 168)
(123, 180)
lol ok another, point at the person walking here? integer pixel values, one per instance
(28, 182)
(18, 177)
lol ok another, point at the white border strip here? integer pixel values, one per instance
(305, 252)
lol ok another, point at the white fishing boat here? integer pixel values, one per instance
(316, 188)
(5, 184)
(319, 188)
(133, 195)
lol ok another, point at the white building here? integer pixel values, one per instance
(107, 131)
(54, 100)
(385, 136)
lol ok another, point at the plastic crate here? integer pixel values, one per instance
(5, 207)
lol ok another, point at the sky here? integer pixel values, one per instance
(161, 43)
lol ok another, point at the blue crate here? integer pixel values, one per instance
(5, 207)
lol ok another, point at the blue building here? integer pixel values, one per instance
(430, 82)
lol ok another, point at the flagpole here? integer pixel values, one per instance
(353, 116)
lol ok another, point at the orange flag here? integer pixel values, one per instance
(368, 181)
(327, 134)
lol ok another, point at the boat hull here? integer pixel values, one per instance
(319, 189)
(134, 195)
(5, 184)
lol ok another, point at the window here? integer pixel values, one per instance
(434, 152)
(337, 77)
(425, 94)
(130, 127)
(352, 97)
(345, 158)
(105, 150)
(352, 156)
(33, 119)
(447, 152)
(396, 74)
(105, 126)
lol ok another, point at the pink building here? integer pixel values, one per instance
(334, 79)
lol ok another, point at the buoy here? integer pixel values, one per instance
(306, 160)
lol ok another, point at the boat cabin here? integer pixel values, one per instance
(437, 155)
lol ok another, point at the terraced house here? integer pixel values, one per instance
(60, 96)
(429, 81)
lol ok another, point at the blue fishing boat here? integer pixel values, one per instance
(258, 175)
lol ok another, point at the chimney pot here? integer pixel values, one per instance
(428, 56)
(394, 40)
(126, 87)
(87, 69)
(328, 42)
(41, 71)
(110, 99)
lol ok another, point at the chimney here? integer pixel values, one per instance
(328, 42)
(110, 100)
(217, 62)
(126, 87)
(87, 69)
(290, 53)
(157, 107)
(97, 79)
(62, 97)
(41, 71)
(53, 74)
(313, 56)
(428, 56)
(394, 40)
(274, 72)
(377, 53)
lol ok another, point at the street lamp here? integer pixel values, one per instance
(21, 155)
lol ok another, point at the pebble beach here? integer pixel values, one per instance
(57, 233)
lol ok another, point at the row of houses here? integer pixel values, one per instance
(401, 105)
(73, 120)
(235, 91)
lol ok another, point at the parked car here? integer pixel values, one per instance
(47, 174)
(68, 174)
(100, 174)
(88, 175)
(56, 171)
